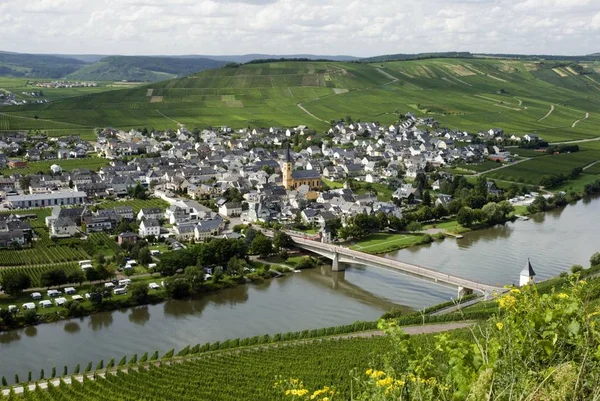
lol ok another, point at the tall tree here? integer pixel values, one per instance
(14, 282)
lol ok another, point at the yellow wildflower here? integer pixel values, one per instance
(562, 295)
(500, 325)
(582, 282)
(384, 382)
(515, 291)
(377, 374)
(507, 302)
(593, 314)
(369, 372)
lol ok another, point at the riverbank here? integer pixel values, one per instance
(85, 307)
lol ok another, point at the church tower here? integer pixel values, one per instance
(527, 275)
(288, 181)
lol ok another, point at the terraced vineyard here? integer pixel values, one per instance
(473, 94)
(232, 376)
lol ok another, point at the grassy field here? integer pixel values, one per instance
(91, 163)
(531, 171)
(381, 242)
(472, 94)
(136, 204)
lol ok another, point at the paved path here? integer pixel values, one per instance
(547, 115)
(591, 164)
(576, 141)
(454, 308)
(501, 167)
(587, 115)
(411, 330)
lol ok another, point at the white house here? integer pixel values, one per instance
(153, 213)
(230, 209)
(149, 227)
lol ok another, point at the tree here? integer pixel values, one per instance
(77, 276)
(413, 227)
(177, 288)
(14, 282)
(92, 275)
(236, 266)
(426, 198)
(25, 181)
(333, 226)
(595, 259)
(249, 234)
(98, 293)
(195, 276)
(144, 256)
(262, 246)
(139, 292)
(282, 240)
(465, 216)
(53, 277)
(138, 192)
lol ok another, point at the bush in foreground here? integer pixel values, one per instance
(537, 347)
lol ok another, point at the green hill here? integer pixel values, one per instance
(142, 68)
(472, 94)
(37, 65)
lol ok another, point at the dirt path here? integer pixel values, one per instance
(519, 100)
(169, 118)
(410, 330)
(309, 113)
(547, 115)
(393, 78)
(587, 115)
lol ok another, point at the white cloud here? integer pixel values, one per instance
(310, 26)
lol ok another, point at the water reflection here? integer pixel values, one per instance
(30, 331)
(72, 327)
(7, 337)
(100, 320)
(140, 315)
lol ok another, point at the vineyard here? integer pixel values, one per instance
(35, 272)
(136, 204)
(41, 254)
(231, 376)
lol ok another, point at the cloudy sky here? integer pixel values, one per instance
(360, 28)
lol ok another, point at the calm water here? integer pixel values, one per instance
(311, 299)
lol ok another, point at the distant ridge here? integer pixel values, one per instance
(415, 56)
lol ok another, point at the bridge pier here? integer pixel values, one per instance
(336, 265)
(463, 291)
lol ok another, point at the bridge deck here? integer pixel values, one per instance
(349, 255)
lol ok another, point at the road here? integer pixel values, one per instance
(411, 330)
(309, 113)
(547, 115)
(501, 167)
(576, 141)
(587, 115)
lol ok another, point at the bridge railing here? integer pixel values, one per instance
(408, 267)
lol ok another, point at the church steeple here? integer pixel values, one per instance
(288, 181)
(288, 155)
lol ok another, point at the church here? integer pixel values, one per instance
(294, 179)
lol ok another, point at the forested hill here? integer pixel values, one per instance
(142, 68)
(37, 65)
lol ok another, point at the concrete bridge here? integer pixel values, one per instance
(341, 257)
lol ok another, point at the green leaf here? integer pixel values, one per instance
(574, 328)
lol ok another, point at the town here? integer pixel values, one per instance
(207, 182)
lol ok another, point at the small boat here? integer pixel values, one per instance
(297, 271)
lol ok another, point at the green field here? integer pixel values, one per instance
(472, 94)
(136, 204)
(531, 171)
(381, 242)
(91, 163)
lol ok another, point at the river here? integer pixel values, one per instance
(310, 299)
